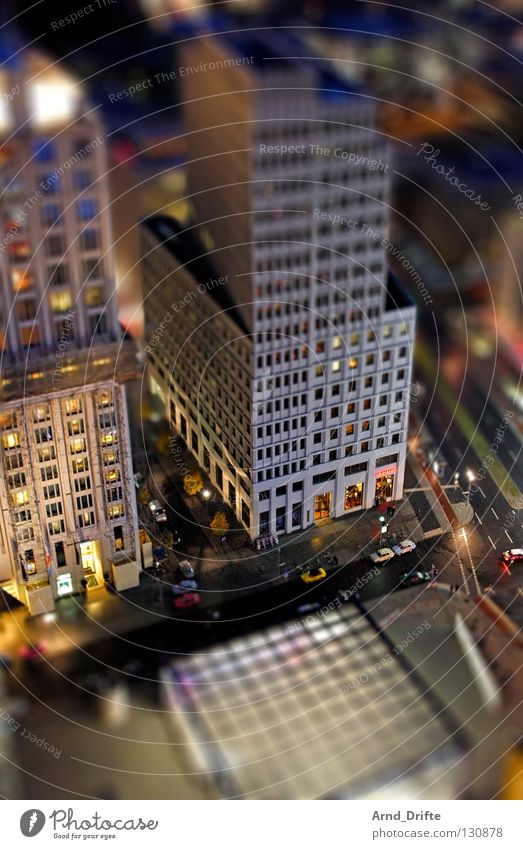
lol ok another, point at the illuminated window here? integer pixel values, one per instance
(115, 511)
(94, 296)
(81, 465)
(387, 331)
(112, 476)
(60, 301)
(11, 440)
(353, 362)
(353, 496)
(75, 426)
(349, 429)
(351, 408)
(336, 342)
(108, 439)
(110, 458)
(21, 279)
(365, 425)
(336, 366)
(76, 446)
(29, 336)
(73, 406)
(369, 359)
(21, 498)
(41, 414)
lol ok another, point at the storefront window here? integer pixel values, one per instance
(353, 496)
(384, 487)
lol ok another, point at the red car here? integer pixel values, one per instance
(512, 556)
(187, 600)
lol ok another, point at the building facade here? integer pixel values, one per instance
(289, 181)
(68, 512)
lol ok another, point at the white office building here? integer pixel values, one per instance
(289, 179)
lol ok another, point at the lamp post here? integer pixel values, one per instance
(383, 529)
(470, 478)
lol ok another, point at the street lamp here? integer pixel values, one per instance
(470, 477)
(206, 493)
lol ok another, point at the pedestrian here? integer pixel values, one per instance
(377, 501)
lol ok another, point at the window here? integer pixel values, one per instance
(56, 527)
(349, 429)
(60, 301)
(364, 446)
(118, 537)
(94, 296)
(353, 496)
(351, 408)
(10, 440)
(115, 511)
(75, 427)
(73, 406)
(86, 519)
(369, 359)
(41, 414)
(336, 366)
(353, 362)
(77, 446)
(43, 434)
(86, 209)
(81, 465)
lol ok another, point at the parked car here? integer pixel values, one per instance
(138, 479)
(316, 573)
(183, 587)
(186, 569)
(382, 555)
(157, 510)
(512, 556)
(404, 547)
(187, 600)
(412, 579)
(159, 553)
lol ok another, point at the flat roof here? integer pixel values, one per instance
(116, 362)
(310, 708)
(189, 252)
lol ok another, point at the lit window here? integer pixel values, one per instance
(11, 440)
(353, 362)
(336, 366)
(61, 301)
(336, 342)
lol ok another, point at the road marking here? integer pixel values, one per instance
(483, 494)
(492, 544)
(512, 455)
(477, 517)
(495, 514)
(510, 538)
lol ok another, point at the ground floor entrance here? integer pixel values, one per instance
(322, 507)
(385, 487)
(91, 564)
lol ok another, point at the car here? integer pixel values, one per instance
(186, 569)
(187, 600)
(404, 547)
(160, 515)
(316, 573)
(382, 555)
(183, 587)
(412, 579)
(138, 479)
(155, 506)
(159, 553)
(512, 556)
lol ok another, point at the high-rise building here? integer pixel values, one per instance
(289, 379)
(68, 511)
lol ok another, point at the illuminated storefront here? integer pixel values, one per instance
(385, 483)
(353, 496)
(322, 506)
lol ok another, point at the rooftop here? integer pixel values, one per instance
(190, 253)
(116, 362)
